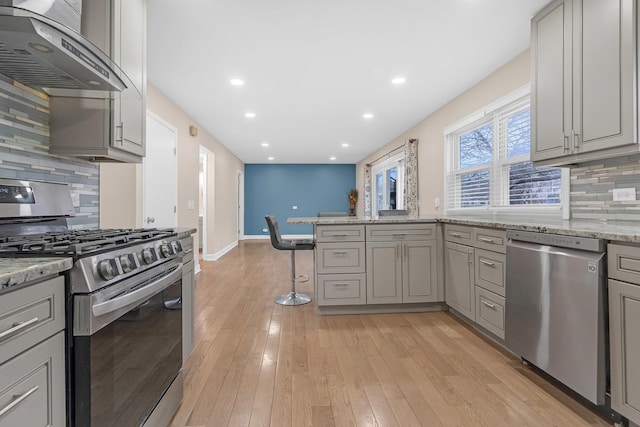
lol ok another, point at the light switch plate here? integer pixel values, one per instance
(294, 207)
(624, 194)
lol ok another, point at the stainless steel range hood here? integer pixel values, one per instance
(41, 47)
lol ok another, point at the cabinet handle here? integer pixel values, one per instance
(399, 235)
(565, 143)
(485, 262)
(17, 327)
(488, 304)
(340, 252)
(452, 234)
(576, 141)
(338, 235)
(341, 285)
(486, 239)
(18, 398)
(120, 132)
(470, 256)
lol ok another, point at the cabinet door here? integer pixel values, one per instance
(459, 286)
(604, 75)
(32, 390)
(551, 82)
(624, 318)
(188, 311)
(419, 271)
(384, 273)
(129, 51)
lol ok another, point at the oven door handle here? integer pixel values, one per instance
(137, 296)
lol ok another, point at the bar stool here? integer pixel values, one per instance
(293, 245)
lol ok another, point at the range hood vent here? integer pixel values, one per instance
(45, 54)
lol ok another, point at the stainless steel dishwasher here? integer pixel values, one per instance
(556, 308)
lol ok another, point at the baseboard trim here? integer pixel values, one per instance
(284, 236)
(217, 255)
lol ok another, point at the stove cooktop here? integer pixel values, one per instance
(80, 242)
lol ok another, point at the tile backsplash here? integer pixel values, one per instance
(592, 186)
(24, 152)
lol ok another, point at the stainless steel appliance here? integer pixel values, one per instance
(41, 46)
(124, 319)
(556, 308)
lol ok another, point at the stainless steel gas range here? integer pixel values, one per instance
(123, 310)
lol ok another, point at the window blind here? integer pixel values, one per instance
(488, 163)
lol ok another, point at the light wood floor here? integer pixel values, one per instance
(260, 364)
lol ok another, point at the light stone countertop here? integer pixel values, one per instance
(621, 231)
(16, 271)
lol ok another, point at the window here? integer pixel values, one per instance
(488, 163)
(387, 186)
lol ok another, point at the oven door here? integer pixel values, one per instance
(127, 348)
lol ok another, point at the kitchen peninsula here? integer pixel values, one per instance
(397, 264)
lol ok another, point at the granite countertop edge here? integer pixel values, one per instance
(621, 231)
(16, 271)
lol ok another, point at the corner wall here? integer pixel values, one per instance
(430, 131)
(222, 230)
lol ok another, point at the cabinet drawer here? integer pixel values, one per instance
(342, 289)
(490, 269)
(386, 232)
(340, 233)
(490, 311)
(624, 263)
(32, 386)
(493, 240)
(340, 257)
(33, 313)
(458, 234)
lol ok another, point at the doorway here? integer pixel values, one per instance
(240, 205)
(207, 199)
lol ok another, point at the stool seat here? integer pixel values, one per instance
(293, 245)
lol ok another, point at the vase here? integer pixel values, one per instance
(352, 208)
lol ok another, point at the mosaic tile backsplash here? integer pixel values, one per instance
(592, 186)
(24, 152)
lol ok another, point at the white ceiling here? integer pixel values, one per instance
(313, 68)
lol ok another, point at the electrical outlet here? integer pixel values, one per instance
(436, 202)
(624, 194)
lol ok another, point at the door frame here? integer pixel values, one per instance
(240, 205)
(174, 130)
(208, 155)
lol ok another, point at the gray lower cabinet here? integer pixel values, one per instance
(583, 93)
(188, 307)
(624, 318)
(459, 278)
(32, 386)
(32, 366)
(340, 265)
(401, 264)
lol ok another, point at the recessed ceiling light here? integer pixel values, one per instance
(265, 144)
(345, 144)
(398, 80)
(367, 115)
(250, 115)
(270, 158)
(236, 82)
(332, 158)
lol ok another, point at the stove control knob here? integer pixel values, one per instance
(148, 256)
(126, 263)
(106, 269)
(176, 247)
(166, 250)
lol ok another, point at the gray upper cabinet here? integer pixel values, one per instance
(583, 81)
(111, 129)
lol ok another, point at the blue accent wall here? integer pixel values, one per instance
(276, 188)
